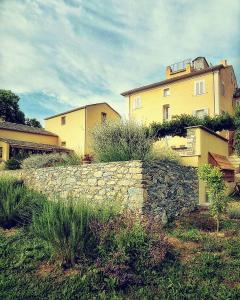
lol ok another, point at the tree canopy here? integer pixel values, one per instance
(10, 111)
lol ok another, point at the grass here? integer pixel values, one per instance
(17, 202)
(65, 226)
(206, 266)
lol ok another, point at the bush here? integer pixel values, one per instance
(121, 141)
(216, 187)
(65, 226)
(129, 246)
(234, 213)
(177, 126)
(164, 154)
(17, 203)
(13, 164)
(50, 160)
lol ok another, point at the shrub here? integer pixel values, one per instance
(121, 141)
(177, 126)
(17, 203)
(129, 246)
(200, 221)
(65, 226)
(213, 178)
(13, 164)
(164, 154)
(234, 213)
(50, 160)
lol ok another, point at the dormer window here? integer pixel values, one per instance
(166, 92)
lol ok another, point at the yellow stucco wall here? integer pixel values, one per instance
(76, 132)
(227, 77)
(205, 143)
(5, 151)
(29, 137)
(182, 99)
(93, 117)
(72, 133)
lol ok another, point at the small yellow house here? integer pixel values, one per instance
(74, 127)
(17, 138)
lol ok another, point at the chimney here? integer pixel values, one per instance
(168, 72)
(223, 62)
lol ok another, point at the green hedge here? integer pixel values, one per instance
(177, 126)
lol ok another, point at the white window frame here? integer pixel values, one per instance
(137, 102)
(166, 108)
(205, 110)
(166, 92)
(199, 87)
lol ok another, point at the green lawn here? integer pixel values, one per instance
(203, 265)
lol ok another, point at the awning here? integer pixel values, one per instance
(220, 161)
(33, 146)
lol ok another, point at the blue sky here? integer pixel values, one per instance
(59, 54)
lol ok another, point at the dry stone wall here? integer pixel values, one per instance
(154, 187)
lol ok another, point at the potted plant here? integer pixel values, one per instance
(87, 159)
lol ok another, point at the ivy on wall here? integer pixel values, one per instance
(177, 126)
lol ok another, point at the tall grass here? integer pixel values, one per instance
(121, 141)
(65, 226)
(17, 203)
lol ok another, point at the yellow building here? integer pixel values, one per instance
(18, 138)
(74, 127)
(190, 87)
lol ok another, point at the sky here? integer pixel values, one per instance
(61, 54)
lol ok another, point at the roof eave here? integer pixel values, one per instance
(171, 80)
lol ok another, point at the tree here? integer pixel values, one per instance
(33, 123)
(9, 108)
(237, 132)
(10, 111)
(216, 188)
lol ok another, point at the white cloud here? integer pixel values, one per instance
(89, 51)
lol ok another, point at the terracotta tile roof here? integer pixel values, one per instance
(167, 81)
(78, 108)
(24, 128)
(33, 146)
(222, 162)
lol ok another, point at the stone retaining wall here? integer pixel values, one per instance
(154, 187)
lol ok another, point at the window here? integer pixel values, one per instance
(137, 102)
(166, 115)
(103, 117)
(222, 88)
(200, 113)
(1, 152)
(166, 92)
(63, 144)
(199, 87)
(63, 120)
